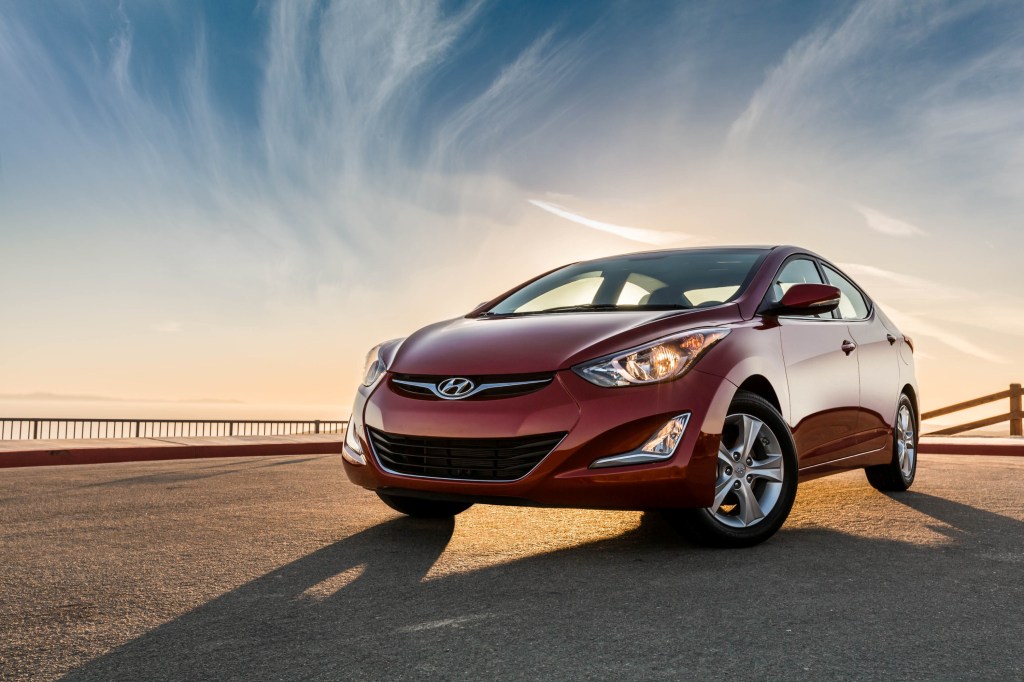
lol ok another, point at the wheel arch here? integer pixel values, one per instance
(756, 383)
(759, 385)
(911, 393)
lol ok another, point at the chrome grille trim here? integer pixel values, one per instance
(480, 388)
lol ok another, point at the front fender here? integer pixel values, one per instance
(751, 349)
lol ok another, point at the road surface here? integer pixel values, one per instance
(277, 568)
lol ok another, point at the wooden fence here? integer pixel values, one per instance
(1015, 416)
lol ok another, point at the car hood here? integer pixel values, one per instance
(539, 343)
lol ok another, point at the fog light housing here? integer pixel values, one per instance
(660, 446)
(352, 451)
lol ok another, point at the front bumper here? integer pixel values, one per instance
(599, 422)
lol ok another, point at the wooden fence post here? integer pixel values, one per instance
(1016, 413)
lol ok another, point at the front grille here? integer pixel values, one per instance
(468, 459)
(490, 387)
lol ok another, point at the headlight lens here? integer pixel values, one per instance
(661, 360)
(375, 366)
(665, 440)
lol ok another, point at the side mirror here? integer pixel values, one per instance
(807, 299)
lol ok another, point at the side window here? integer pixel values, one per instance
(796, 271)
(852, 305)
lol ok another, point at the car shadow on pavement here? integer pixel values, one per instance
(810, 603)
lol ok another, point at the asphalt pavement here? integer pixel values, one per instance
(278, 568)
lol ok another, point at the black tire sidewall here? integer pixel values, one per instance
(715, 532)
(905, 400)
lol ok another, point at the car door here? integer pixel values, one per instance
(877, 358)
(823, 378)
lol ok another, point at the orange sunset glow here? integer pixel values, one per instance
(192, 230)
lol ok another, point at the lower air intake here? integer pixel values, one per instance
(467, 459)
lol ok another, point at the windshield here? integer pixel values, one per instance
(651, 281)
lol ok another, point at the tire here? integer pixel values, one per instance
(423, 509)
(898, 474)
(765, 475)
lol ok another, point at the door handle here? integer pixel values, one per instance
(890, 338)
(848, 347)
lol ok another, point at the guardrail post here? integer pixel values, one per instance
(137, 425)
(316, 427)
(35, 429)
(1016, 413)
(231, 428)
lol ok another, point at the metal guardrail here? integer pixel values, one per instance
(1015, 416)
(45, 428)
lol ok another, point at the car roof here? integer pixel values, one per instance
(698, 249)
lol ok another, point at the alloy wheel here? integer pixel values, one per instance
(750, 472)
(906, 447)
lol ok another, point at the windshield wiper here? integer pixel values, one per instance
(581, 307)
(611, 306)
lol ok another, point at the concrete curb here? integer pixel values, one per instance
(163, 451)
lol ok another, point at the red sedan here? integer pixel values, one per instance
(704, 383)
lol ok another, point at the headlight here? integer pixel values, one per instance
(661, 360)
(375, 365)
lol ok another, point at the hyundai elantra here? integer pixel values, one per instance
(702, 383)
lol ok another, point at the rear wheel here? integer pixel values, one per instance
(423, 509)
(899, 473)
(756, 483)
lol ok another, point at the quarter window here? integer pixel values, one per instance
(852, 305)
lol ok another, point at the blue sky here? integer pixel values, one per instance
(235, 200)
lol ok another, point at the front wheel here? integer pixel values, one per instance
(898, 474)
(423, 509)
(756, 483)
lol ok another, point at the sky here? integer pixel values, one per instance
(234, 202)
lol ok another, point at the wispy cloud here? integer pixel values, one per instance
(331, 156)
(964, 320)
(636, 234)
(917, 325)
(884, 224)
(908, 283)
(793, 92)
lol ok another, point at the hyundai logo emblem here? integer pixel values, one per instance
(456, 387)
